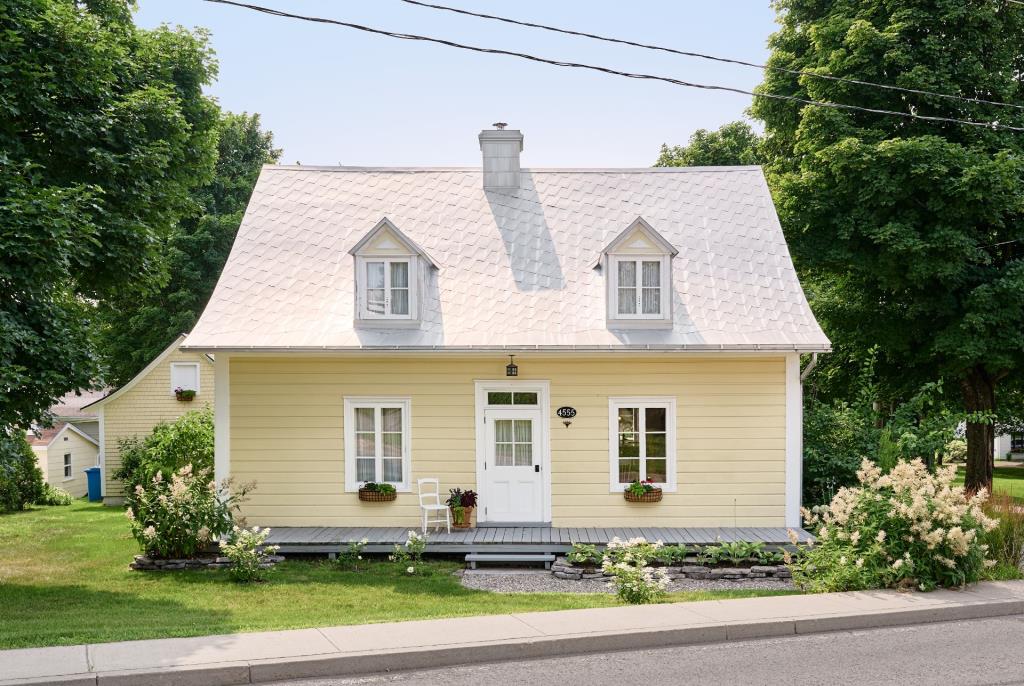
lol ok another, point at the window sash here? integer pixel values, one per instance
(185, 375)
(388, 291)
(640, 285)
(642, 442)
(377, 442)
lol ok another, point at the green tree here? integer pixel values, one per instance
(734, 143)
(915, 229)
(135, 329)
(21, 481)
(104, 131)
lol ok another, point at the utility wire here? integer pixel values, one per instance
(995, 125)
(686, 53)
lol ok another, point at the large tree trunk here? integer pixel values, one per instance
(979, 389)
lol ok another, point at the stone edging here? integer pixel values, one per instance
(563, 569)
(150, 564)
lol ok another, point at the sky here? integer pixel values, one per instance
(335, 95)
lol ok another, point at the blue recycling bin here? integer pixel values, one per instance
(92, 474)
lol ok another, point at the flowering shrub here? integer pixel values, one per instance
(52, 495)
(352, 554)
(904, 528)
(177, 518)
(415, 545)
(247, 550)
(635, 582)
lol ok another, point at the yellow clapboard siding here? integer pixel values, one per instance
(147, 403)
(287, 434)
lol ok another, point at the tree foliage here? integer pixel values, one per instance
(135, 329)
(735, 143)
(188, 440)
(912, 232)
(104, 132)
(21, 481)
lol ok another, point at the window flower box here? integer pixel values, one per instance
(642, 492)
(377, 493)
(184, 394)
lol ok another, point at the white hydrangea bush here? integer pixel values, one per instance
(906, 528)
(628, 563)
(247, 549)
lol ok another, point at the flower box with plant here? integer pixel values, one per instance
(371, 492)
(461, 503)
(642, 492)
(184, 394)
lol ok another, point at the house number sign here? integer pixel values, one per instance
(566, 412)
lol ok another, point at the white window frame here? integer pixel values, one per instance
(351, 403)
(613, 293)
(68, 467)
(186, 364)
(671, 419)
(362, 280)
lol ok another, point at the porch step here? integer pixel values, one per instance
(546, 558)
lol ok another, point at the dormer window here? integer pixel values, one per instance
(390, 270)
(638, 268)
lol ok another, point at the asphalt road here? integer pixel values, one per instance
(984, 651)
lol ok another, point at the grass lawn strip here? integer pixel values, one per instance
(64, 580)
(1008, 480)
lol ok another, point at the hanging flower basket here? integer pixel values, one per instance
(651, 496)
(377, 493)
(184, 395)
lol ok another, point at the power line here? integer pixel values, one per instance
(727, 60)
(995, 125)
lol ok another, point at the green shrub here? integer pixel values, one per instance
(247, 549)
(671, 554)
(54, 496)
(180, 516)
(21, 481)
(351, 555)
(837, 436)
(412, 551)
(187, 440)
(628, 563)
(905, 528)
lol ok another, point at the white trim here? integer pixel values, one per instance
(74, 428)
(185, 364)
(221, 417)
(665, 282)
(640, 224)
(68, 466)
(386, 224)
(412, 278)
(101, 457)
(377, 402)
(671, 448)
(145, 371)
(794, 440)
(543, 388)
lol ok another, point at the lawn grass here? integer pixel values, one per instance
(1009, 480)
(64, 579)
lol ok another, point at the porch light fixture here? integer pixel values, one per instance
(511, 369)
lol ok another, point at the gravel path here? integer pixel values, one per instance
(540, 581)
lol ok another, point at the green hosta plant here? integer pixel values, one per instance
(247, 550)
(671, 554)
(905, 528)
(628, 563)
(584, 555)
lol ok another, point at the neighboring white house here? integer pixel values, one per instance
(69, 447)
(1010, 446)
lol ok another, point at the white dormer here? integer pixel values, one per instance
(391, 271)
(637, 266)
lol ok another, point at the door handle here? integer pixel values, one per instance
(536, 467)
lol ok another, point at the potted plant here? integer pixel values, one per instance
(642, 492)
(371, 492)
(184, 394)
(461, 503)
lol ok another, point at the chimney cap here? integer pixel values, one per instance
(500, 125)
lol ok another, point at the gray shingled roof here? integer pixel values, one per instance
(516, 270)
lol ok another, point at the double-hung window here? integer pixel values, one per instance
(640, 287)
(377, 441)
(185, 375)
(642, 441)
(388, 293)
(67, 465)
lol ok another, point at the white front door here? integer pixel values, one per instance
(513, 466)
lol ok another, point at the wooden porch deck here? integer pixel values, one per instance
(302, 539)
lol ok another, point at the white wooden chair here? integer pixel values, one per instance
(431, 506)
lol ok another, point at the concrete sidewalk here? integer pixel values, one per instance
(348, 650)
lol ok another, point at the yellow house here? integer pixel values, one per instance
(70, 445)
(544, 337)
(150, 397)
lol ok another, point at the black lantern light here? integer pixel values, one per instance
(511, 369)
